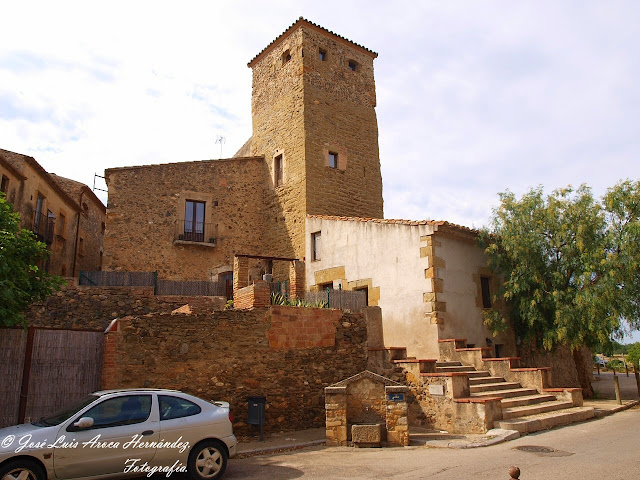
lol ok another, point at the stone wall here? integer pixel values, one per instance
(91, 231)
(146, 214)
(303, 107)
(77, 307)
(232, 355)
(24, 191)
(340, 117)
(568, 369)
(277, 107)
(90, 221)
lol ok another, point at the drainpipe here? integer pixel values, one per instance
(75, 248)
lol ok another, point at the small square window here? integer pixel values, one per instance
(333, 159)
(315, 246)
(353, 66)
(322, 55)
(286, 56)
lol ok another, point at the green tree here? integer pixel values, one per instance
(21, 280)
(634, 354)
(570, 264)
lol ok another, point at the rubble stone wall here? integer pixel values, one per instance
(146, 215)
(229, 356)
(75, 307)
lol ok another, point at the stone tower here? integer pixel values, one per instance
(314, 120)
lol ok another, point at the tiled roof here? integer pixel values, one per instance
(303, 21)
(17, 158)
(75, 189)
(437, 223)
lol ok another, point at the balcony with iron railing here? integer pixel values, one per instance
(44, 227)
(190, 232)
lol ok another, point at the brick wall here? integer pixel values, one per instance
(300, 328)
(253, 296)
(231, 355)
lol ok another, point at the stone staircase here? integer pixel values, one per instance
(524, 409)
(466, 391)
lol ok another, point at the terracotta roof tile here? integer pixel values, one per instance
(295, 25)
(437, 223)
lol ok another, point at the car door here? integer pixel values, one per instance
(181, 426)
(122, 424)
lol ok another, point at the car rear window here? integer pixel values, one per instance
(175, 407)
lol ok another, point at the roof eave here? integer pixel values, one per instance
(300, 22)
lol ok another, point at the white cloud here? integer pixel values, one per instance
(473, 97)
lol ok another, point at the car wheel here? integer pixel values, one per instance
(23, 469)
(207, 460)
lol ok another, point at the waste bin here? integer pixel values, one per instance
(255, 415)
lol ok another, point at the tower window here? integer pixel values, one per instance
(4, 187)
(322, 55)
(278, 171)
(286, 56)
(333, 159)
(353, 66)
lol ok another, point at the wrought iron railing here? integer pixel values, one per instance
(43, 227)
(193, 231)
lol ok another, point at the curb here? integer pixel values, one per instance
(605, 413)
(497, 435)
(279, 448)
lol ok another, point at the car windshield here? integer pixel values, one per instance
(61, 415)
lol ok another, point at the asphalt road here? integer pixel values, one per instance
(603, 385)
(604, 449)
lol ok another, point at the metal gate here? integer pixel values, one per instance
(42, 370)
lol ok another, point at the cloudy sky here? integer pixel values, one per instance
(474, 97)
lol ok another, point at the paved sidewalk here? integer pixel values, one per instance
(276, 442)
(283, 441)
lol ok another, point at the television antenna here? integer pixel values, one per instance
(95, 175)
(220, 139)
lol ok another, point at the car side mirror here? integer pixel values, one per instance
(84, 422)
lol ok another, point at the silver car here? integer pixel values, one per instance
(122, 433)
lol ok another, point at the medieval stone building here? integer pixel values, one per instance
(314, 150)
(306, 186)
(63, 213)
